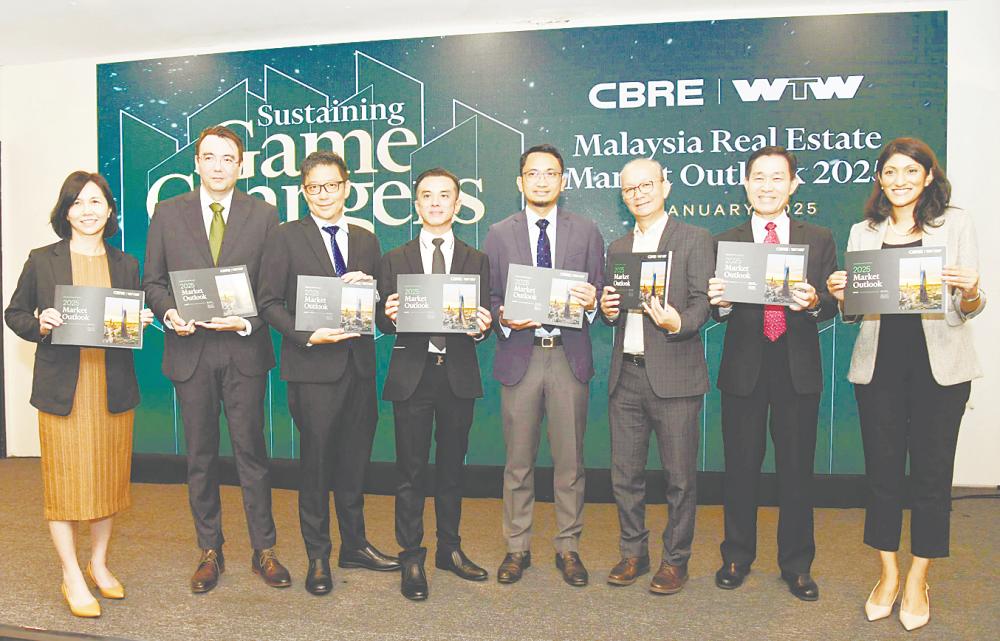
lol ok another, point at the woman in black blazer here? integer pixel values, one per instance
(85, 396)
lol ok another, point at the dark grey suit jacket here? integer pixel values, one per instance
(297, 248)
(675, 363)
(57, 367)
(177, 240)
(409, 353)
(743, 349)
(579, 247)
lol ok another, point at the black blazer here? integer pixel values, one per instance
(409, 354)
(177, 240)
(675, 363)
(744, 344)
(298, 248)
(57, 367)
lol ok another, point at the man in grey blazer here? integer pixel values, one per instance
(225, 360)
(545, 372)
(657, 380)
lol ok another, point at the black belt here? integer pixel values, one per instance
(435, 358)
(635, 359)
(548, 341)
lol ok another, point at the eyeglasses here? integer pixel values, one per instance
(227, 160)
(642, 188)
(535, 175)
(331, 187)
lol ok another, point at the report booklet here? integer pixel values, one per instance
(760, 273)
(98, 317)
(322, 301)
(437, 303)
(542, 294)
(638, 278)
(904, 280)
(202, 294)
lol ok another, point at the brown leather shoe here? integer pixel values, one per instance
(628, 570)
(513, 566)
(266, 565)
(669, 579)
(211, 565)
(572, 569)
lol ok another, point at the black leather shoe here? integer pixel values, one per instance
(266, 565)
(211, 565)
(319, 580)
(572, 569)
(413, 581)
(457, 562)
(369, 558)
(801, 585)
(730, 576)
(513, 566)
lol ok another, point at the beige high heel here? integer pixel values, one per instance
(913, 621)
(91, 610)
(116, 591)
(873, 610)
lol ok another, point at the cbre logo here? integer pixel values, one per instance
(806, 88)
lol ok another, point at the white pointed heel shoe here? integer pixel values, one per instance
(913, 621)
(874, 611)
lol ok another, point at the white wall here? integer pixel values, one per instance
(48, 128)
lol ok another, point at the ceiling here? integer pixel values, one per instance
(35, 31)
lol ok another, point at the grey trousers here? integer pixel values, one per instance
(549, 389)
(635, 411)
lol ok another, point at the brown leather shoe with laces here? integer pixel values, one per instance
(266, 565)
(513, 566)
(571, 566)
(628, 570)
(211, 565)
(669, 579)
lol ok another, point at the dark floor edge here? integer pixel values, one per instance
(486, 481)
(36, 634)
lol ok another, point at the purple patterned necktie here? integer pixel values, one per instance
(339, 266)
(543, 252)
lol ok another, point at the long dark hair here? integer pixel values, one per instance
(935, 198)
(70, 189)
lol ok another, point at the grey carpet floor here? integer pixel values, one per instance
(153, 553)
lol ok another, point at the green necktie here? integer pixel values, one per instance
(216, 231)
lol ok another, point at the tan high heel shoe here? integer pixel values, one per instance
(91, 610)
(912, 621)
(874, 611)
(116, 591)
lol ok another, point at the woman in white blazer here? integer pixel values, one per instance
(912, 373)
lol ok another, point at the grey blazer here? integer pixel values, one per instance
(949, 341)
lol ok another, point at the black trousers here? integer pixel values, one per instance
(336, 423)
(792, 419)
(415, 418)
(217, 383)
(904, 410)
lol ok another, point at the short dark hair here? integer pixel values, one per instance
(437, 171)
(68, 193)
(775, 150)
(221, 132)
(317, 158)
(542, 149)
(934, 200)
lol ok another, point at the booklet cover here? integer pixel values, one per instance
(202, 294)
(638, 278)
(99, 317)
(437, 303)
(905, 280)
(322, 301)
(759, 273)
(542, 294)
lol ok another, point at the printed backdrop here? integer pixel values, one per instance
(697, 96)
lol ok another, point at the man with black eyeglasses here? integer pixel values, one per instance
(330, 372)
(657, 380)
(545, 371)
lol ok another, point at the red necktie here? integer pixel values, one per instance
(774, 315)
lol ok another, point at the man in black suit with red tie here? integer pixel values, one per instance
(771, 372)
(433, 379)
(224, 360)
(330, 373)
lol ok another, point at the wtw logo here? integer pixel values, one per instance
(805, 88)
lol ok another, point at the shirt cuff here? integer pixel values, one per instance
(724, 311)
(247, 328)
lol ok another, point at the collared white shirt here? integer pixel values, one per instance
(782, 222)
(341, 236)
(534, 232)
(206, 210)
(427, 259)
(642, 243)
